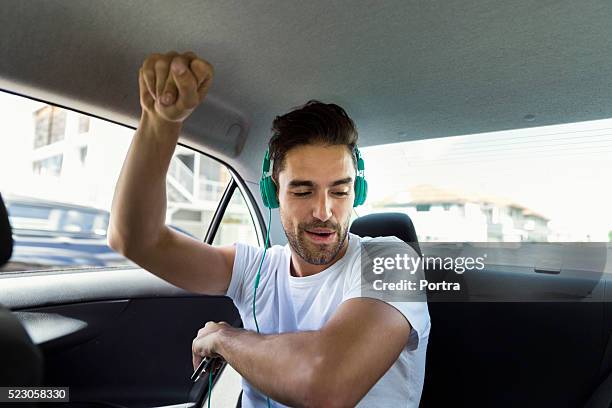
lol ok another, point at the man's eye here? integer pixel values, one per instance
(301, 194)
(341, 193)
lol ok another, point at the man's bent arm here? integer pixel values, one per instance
(334, 366)
(279, 365)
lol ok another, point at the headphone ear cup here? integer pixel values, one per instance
(364, 190)
(262, 191)
(268, 192)
(357, 191)
(361, 190)
(272, 193)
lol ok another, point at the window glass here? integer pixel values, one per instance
(83, 124)
(190, 207)
(546, 184)
(51, 166)
(237, 225)
(50, 124)
(58, 171)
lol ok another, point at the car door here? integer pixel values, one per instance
(117, 335)
(517, 334)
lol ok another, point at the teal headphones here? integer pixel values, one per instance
(268, 188)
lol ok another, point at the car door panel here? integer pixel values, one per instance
(516, 337)
(117, 336)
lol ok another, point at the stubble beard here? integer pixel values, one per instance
(315, 254)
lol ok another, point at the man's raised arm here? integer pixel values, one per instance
(171, 86)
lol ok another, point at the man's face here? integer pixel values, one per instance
(316, 198)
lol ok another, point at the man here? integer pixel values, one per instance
(321, 344)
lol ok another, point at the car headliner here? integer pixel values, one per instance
(404, 70)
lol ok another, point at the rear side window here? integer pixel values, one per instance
(58, 171)
(237, 224)
(543, 184)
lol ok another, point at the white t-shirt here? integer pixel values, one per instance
(287, 303)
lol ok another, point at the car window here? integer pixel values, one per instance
(542, 184)
(237, 224)
(58, 171)
(194, 187)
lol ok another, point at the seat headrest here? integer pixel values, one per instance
(387, 224)
(6, 235)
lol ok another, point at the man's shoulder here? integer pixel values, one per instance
(358, 244)
(246, 251)
(384, 244)
(258, 248)
(247, 260)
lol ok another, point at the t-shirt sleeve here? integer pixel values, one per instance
(416, 312)
(242, 271)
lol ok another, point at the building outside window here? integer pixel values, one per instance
(51, 166)
(83, 124)
(50, 125)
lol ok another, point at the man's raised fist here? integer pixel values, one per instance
(172, 85)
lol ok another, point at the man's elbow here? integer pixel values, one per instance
(331, 400)
(116, 242)
(327, 398)
(126, 244)
(323, 390)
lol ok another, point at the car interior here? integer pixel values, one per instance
(405, 71)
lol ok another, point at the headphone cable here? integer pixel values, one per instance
(254, 295)
(257, 276)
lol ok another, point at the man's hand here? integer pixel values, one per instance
(172, 85)
(205, 343)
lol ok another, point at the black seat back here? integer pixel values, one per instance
(385, 225)
(21, 362)
(6, 235)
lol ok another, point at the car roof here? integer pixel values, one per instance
(403, 70)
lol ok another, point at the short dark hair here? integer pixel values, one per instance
(314, 122)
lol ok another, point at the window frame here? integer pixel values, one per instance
(256, 215)
(233, 186)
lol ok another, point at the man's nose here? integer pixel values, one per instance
(322, 208)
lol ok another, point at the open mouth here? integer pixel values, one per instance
(321, 237)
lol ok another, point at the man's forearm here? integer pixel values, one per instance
(279, 365)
